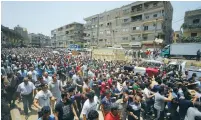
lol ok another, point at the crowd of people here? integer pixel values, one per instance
(66, 87)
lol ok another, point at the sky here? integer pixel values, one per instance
(42, 17)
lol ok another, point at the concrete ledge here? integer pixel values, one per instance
(15, 114)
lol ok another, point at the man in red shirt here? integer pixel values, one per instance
(114, 112)
(110, 81)
(103, 87)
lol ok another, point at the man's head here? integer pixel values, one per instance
(46, 112)
(194, 75)
(44, 87)
(31, 68)
(71, 90)
(90, 95)
(93, 115)
(137, 99)
(86, 80)
(114, 108)
(46, 74)
(26, 80)
(64, 96)
(54, 77)
(108, 94)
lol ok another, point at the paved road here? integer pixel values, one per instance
(33, 115)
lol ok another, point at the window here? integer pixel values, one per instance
(133, 38)
(177, 35)
(126, 11)
(101, 18)
(67, 32)
(155, 4)
(108, 24)
(145, 27)
(145, 37)
(125, 38)
(100, 40)
(146, 6)
(193, 34)
(147, 17)
(125, 30)
(155, 15)
(101, 32)
(96, 25)
(126, 20)
(134, 28)
(101, 25)
(195, 21)
(108, 32)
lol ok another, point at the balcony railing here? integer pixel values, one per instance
(136, 31)
(136, 11)
(191, 26)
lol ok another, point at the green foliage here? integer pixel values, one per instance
(190, 39)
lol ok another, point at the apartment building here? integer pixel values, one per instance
(67, 34)
(176, 36)
(192, 23)
(10, 38)
(39, 40)
(130, 25)
(24, 33)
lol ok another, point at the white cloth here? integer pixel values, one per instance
(48, 79)
(43, 98)
(26, 89)
(55, 88)
(146, 93)
(88, 106)
(34, 75)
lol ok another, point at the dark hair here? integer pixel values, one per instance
(93, 114)
(161, 89)
(147, 84)
(63, 94)
(46, 109)
(85, 79)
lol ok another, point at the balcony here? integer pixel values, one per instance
(153, 19)
(125, 23)
(136, 9)
(191, 26)
(153, 5)
(136, 31)
(137, 18)
(133, 12)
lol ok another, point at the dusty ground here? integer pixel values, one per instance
(33, 115)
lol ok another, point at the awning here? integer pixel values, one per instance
(148, 42)
(158, 40)
(137, 44)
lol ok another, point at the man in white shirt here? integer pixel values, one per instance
(26, 89)
(33, 73)
(43, 98)
(75, 79)
(55, 88)
(90, 104)
(46, 77)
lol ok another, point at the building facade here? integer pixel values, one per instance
(10, 38)
(176, 36)
(24, 33)
(68, 34)
(39, 40)
(192, 23)
(130, 25)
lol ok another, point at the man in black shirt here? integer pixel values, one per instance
(64, 109)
